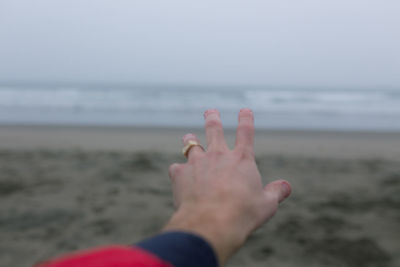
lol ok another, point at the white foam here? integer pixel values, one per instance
(83, 104)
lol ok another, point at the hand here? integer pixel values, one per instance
(218, 193)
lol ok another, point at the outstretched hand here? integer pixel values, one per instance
(218, 193)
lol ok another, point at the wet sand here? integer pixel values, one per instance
(69, 188)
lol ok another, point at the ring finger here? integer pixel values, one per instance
(192, 147)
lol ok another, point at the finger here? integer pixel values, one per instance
(278, 190)
(245, 131)
(194, 151)
(214, 130)
(179, 182)
(175, 170)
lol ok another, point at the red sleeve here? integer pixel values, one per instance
(111, 256)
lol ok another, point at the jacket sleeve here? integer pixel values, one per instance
(170, 249)
(181, 249)
(110, 256)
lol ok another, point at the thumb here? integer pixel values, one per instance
(280, 189)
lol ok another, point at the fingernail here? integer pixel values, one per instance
(208, 111)
(286, 189)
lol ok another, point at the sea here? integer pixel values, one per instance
(184, 105)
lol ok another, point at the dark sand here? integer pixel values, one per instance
(69, 188)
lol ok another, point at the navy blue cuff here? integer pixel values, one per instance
(181, 249)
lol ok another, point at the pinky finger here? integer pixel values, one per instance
(175, 170)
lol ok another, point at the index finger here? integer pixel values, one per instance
(245, 131)
(214, 130)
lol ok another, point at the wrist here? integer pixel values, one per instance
(218, 228)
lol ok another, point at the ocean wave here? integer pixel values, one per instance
(290, 103)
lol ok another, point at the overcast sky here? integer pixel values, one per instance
(339, 43)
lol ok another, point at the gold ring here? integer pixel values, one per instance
(189, 145)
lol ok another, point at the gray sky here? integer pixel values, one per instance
(338, 43)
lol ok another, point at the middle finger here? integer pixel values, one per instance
(214, 130)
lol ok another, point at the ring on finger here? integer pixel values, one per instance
(189, 145)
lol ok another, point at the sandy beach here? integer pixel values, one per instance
(67, 188)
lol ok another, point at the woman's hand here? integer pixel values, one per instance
(218, 193)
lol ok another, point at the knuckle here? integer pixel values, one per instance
(213, 122)
(246, 126)
(174, 170)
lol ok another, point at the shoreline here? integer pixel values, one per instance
(175, 128)
(330, 144)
